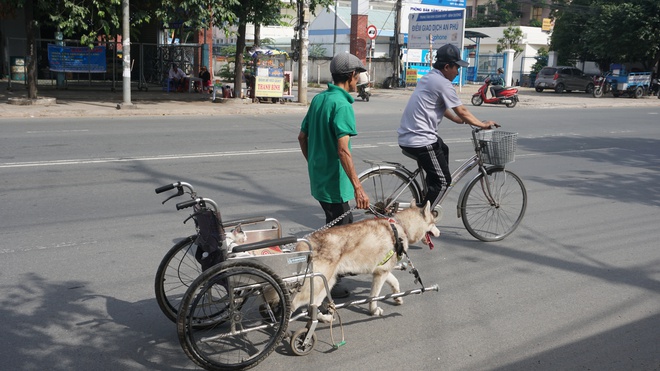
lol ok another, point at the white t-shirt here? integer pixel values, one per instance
(433, 95)
(363, 78)
(179, 74)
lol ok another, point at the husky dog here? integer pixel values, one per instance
(365, 247)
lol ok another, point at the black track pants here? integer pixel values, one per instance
(434, 160)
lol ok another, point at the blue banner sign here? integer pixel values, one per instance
(434, 29)
(76, 59)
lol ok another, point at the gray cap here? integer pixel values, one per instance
(449, 53)
(344, 63)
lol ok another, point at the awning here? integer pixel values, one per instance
(475, 35)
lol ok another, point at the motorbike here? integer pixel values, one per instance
(507, 96)
(364, 91)
(602, 85)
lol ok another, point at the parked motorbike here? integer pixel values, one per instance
(364, 91)
(602, 85)
(507, 96)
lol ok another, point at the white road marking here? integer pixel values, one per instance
(56, 131)
(154, 158)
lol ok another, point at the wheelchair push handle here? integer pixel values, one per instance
(200, 201)
(180, 190)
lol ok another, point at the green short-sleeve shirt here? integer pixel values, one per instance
(330, 117)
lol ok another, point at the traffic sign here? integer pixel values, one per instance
(372, 32)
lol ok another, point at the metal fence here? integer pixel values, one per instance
(488, 64)
(150, 64)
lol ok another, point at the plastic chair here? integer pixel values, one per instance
(168, 84)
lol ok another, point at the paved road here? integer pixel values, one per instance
(576, 286)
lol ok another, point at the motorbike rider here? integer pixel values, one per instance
(363, 82)
(497, 82)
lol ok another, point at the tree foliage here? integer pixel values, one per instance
(541, 60)
(512, 37)
(608, 31)
(182, 15)
(81, 19)
(495, 14)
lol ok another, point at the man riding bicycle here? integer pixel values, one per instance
(434, 98)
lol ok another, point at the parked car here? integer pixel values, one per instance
(563, 78)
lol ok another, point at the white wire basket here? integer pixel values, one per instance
(497, 147)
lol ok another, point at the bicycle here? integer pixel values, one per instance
(491, 205)
(181, 265)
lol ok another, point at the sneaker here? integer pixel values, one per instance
(339, 292)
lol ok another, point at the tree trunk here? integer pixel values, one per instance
(30, 52)
(238, 64)
(257, 35)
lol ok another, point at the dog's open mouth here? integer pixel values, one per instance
(427, 240)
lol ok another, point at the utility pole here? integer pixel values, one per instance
(126, 54)
(397, 46)
(334, 39)
(303, 21)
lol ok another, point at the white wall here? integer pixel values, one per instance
(324, 27)
(533, 39)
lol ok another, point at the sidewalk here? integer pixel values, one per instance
(101, 101)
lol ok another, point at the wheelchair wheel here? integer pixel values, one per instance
(176, 272)
(298, 345)
(233, 316)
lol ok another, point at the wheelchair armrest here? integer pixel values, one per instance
(264, 244)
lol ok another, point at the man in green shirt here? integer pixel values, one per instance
(325, 142)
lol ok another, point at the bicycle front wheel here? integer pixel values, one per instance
(244, 307)
(493, 218)
(390, 191)
(177, 270)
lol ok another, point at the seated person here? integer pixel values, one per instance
(178, 77)
(497, 82)
(363, 79)
(205, 76)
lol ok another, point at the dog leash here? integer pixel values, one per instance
(332, 223)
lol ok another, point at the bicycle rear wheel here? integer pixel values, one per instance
(390, 191)
(492, 221)
(244, 308)
(176, 272)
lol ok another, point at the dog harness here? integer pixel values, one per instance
(398, 244)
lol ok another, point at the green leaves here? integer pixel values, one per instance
(608, 31)
(511, 40)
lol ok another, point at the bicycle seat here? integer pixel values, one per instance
(409, 155)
